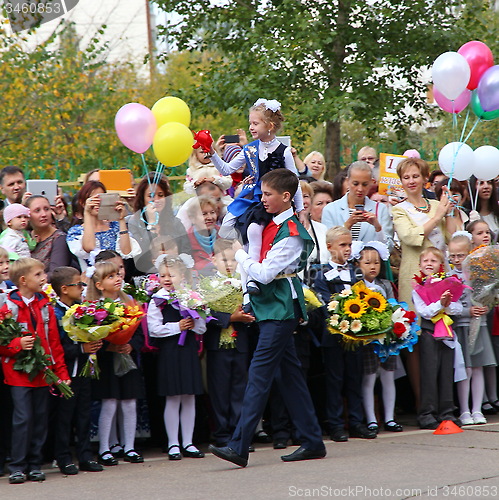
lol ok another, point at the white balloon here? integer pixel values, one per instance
(486, 163)
(456, 160)
(451, 74)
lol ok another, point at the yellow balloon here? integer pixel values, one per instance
(172, 144)
(171, 109)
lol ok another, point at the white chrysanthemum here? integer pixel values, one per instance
(333, 305)
(356, 325)
(344, 326)
(335, 319)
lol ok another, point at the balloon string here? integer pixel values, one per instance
(465, 125)
(477, 121)
(476, 197)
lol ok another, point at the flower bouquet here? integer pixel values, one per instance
(122, 333)
(92, 321)
(189, 303)
(32, 361)
(430, 289)
(223, 294)
(312, 300)
(144, 289)
(360, 315)
(403, 334)
(481, 270)
(142, 292)
(49, 291)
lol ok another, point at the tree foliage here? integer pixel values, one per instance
(326, 61)
(59, 102)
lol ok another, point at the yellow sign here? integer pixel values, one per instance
(389, 182)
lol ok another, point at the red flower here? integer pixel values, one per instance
(399, 329)
(410, 316)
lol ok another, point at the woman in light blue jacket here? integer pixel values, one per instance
(366, 219)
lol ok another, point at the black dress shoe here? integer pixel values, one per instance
(174, 456)
(339, 435)
(361, 431)
(109, 461)
(262, 437)
(392, 426)
(69, 469)
(229, 454)
(36, 475)
(90, 466)
(17, 477)
(192, 454)
(304, 454)
(251, 448)
(280, 444)
(133, 457)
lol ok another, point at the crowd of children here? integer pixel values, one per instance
(173, 359)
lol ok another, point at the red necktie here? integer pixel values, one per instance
(268, 236)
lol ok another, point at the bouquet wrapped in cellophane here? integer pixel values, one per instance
(430, 289)
(312, 300)
(223, 294)
(90, 321)
(481, 270)
(32, 361)
(360, 315)
(144, 289)
(190, 304)
(402, 335)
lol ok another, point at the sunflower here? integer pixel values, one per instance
(375, 300)
(360, 289)
(354, 308)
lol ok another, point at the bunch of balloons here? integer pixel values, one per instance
(459, 161)
(465, 76)
(165, 126)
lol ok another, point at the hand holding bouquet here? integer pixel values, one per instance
(92, 321)
(30, 361)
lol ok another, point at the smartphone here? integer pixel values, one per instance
(43, 187)
(106, 208)
(231, 139)
(359, 208)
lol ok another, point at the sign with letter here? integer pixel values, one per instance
(389, 182)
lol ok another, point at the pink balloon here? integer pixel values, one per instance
(479, 57)
(135, 125)
(455, 106)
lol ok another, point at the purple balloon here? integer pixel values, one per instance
(454, 106)
(488, 89)
(135, 125)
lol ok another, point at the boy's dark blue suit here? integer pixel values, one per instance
(343, 367)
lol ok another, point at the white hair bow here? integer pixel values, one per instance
(463, 233)
(271, 104)
(90, 271)
(382, 249)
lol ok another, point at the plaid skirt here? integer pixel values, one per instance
(372, 362)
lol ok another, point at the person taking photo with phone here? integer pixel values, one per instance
(367, 220)
(97, 233)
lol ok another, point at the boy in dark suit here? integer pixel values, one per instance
(67, 284)
(278, 308)
(226, 364)
(343, 367)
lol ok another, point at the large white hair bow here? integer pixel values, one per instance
(271, 104)
(358, 246)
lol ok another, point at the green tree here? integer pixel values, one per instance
(326, 61)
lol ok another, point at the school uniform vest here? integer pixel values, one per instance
(275, 301)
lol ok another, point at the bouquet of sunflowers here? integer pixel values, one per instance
(360, 315)
(223, 294)
(90, 321)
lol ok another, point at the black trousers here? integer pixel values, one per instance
(29, 427)
(74, 412)
(275, 356)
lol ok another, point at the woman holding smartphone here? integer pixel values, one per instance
(96, 234)
(366, 219)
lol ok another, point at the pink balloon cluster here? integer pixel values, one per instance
(456, 74)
